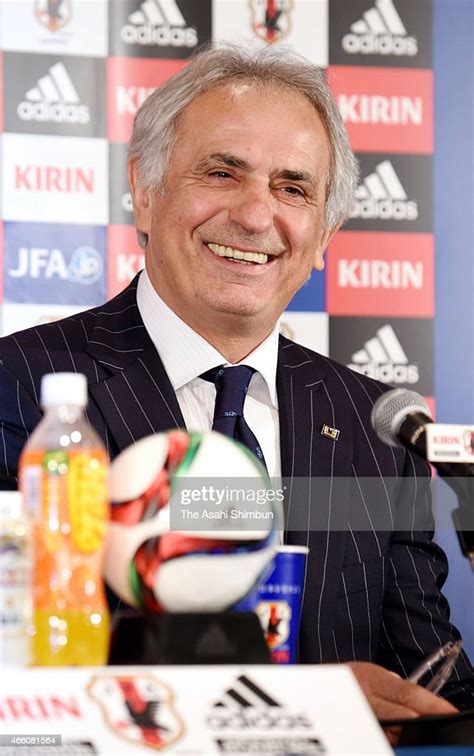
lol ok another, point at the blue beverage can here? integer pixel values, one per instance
(279, 603)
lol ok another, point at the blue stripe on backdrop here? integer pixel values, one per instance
(453, 63)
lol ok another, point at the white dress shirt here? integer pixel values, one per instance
(186, 355)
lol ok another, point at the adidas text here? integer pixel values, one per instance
(385, 209)
(163, 36)
(265, 720)
(379, 44)
(56, 112)
(388, 372)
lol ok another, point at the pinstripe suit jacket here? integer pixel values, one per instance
(371, 592)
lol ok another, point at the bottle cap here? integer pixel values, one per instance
(63, 388)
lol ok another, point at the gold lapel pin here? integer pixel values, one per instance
(333, 433)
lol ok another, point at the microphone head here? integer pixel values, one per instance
(391, 409)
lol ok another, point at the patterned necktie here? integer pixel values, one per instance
(231, 388)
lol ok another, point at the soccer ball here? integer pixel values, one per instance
(172, 547)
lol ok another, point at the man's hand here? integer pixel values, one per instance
(393, 698)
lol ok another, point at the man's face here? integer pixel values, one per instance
(247, 179)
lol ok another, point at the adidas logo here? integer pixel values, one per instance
(158, 22)
(54, 98)
(247, 705)
(384, 359)
(381, 196)
(380, 31)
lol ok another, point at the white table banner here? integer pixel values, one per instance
(186, 710)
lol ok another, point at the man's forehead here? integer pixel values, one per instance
(237, 92)
(228, 107)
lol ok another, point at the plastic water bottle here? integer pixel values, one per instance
(63, 479)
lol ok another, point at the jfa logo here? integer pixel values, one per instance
(33, 266)
(85, 266)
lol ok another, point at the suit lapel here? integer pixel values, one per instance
(310, 395)
(316, 472)
(137, 379)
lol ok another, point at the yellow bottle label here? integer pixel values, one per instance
(88, 506)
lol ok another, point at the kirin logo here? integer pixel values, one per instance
(271, 19)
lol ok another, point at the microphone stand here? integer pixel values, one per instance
(413, 433)
(463, 516)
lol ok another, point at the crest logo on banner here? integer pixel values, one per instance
(54, 14)
(271, 19)
(138, 708)
(469, 442)
(274, 618)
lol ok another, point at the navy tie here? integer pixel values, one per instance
(231, 388)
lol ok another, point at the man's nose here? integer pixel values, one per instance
(253, 209)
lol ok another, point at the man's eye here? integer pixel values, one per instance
(293, 190)
(220, 174)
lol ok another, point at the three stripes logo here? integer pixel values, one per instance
(383, 358)
(246, 694)
(381, 196)
(161, 23)
(54, 99)
(380, 31)
(247, 705)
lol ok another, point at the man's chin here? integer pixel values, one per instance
(239, 309)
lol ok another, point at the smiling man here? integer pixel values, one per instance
(241, 221)
(241, 171)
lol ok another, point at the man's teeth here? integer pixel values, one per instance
(237, 254)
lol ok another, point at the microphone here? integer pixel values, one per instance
(400, 418)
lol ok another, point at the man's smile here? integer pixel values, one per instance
(236, 254)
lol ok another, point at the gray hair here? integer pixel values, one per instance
(154, 130)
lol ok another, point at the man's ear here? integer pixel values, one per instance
(140, 199)
(326, 236)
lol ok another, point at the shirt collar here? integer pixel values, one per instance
(195, 355)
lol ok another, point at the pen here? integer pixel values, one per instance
(447, 655)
